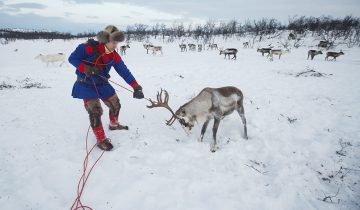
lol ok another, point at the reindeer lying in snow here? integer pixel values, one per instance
(123, 49)
(156, 49)
(52, 58)
(228, 52)
(210, 103)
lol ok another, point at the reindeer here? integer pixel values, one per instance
(192, 47)
(275, 52)
(52, 58)
(291, 36)
(264, 50)
(334, 55)
(312, 53)
(228, 52)
(324, 44)
(147, 47)
(246, 45)
(123, 49)
(183, 47)
(212, 46)
(156, 49)
(210, 103)
(200, 47)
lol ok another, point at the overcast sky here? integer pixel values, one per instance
(92, 15)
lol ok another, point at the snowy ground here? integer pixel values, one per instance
(303, 133)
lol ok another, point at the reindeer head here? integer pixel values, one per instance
(186, 119)
(182, 114)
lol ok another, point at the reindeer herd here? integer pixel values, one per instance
(210, 103)
(231, 53)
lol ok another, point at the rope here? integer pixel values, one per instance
(77, 204)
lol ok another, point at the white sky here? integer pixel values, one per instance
(92, 15)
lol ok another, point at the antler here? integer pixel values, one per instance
(163, 102)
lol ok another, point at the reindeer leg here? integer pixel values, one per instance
(203, 130)
(215, 128)
(241, 112)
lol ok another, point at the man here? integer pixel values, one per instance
(93, 61)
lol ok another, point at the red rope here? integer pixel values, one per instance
(85, 176)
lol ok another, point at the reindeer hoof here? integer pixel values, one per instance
(213, 148)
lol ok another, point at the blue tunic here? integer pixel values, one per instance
(86, 53)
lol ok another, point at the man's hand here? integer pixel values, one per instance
(90, 70)
(138, 92)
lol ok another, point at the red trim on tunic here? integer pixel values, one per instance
(88, 49)
(81, 67)
(133, 83)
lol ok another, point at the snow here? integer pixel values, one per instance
(302, 130)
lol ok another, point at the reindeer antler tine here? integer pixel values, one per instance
(162, 101)
(166, 97)
(158, 96)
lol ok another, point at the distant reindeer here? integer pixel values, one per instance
(52, 58)
(147, 47)
(210, 103)
(183, 47)
(192, 47)
(312, 53)
(291, 36)
(123, 49)
(246, 45)
(324, 44)
(334, 55)
(228, 52)
(200, 47)
(264, 50)
(278, 52)
(212, 46)
(156, 49)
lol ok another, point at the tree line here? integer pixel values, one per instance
(326, 27)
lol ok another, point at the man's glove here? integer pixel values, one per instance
(138, 92)
(90, 70)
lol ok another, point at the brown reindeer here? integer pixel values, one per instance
(312, 53)
(334, 55)
(324, 44)
(123, 49)
(246, 45)
(228, 52)
(183, 47)
(264, 50)
(192, 47)
(210, 103)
